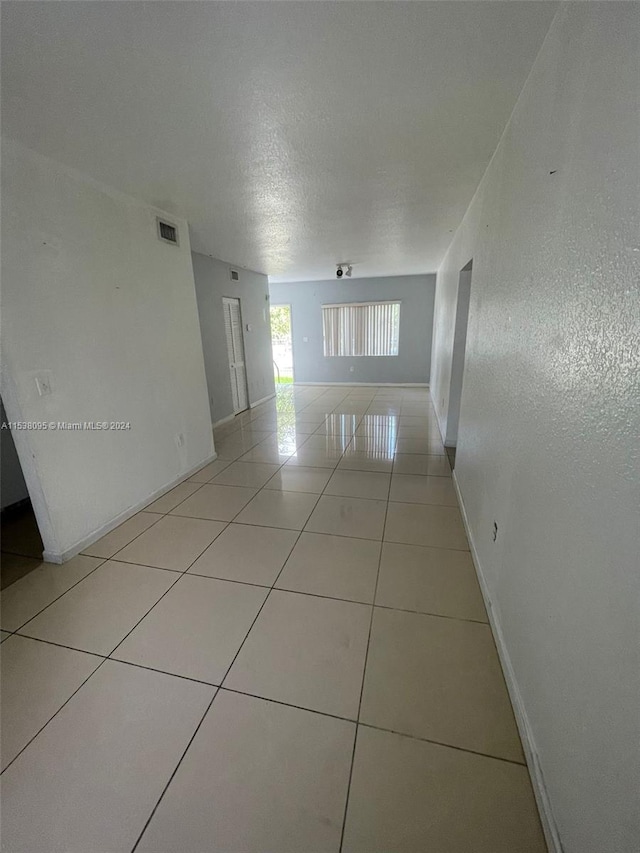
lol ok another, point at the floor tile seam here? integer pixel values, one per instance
(421, 545)
(174, 772)
(444, 744)
(220, 520)
(192, 738)
(153, 524)
(426, 503)
(144, 616)
(430, 614)
(218, 687)
(179, 575)
(242, 486)
(440, 476)
(164, 568)
(168, 672)
(304, 529)
(246, 450)
(270, 590)
(103, 560)
(20, 633)
(270, 436)
(55, 714)
(364, 674)
(341, 535)
(335, 597)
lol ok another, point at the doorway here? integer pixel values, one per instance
(282, 344)
(21, 542)
(235, 353)
(459, 348)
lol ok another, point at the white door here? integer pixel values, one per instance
(235, 351)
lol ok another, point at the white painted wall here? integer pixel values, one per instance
(90, 294)
(550, 418)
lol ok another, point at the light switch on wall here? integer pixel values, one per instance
(249, 327)
(305, 340)
(43, 383)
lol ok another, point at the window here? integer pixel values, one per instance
(361, 328)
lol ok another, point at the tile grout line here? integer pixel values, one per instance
(175, 770)
(66, 702)
(153, 524)
(19, 632)
(104, 657)
(443, 744)
(218, 687)
(185, 571)
(364, 672)
(207, 709)
(181, 483)
(180, 574)
(103, 560)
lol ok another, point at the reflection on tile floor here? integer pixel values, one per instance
(287, 652)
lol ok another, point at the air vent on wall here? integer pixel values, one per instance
(234, 275)
(167, 232)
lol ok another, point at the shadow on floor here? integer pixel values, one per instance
(21, 543)
(451, 455)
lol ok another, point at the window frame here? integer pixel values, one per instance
(394, 337)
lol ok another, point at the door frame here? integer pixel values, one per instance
(293, 355)
(231, 300)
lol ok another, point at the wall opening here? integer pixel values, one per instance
(21, 541)
(282, 344)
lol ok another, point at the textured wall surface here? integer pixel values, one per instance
(550, 419)
(91, 295)
(412, 364)
(213, 281)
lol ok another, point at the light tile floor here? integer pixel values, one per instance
(286, 652)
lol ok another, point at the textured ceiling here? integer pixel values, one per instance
(291, 135)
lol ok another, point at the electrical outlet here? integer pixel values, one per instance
(351, 369)
(495, 530)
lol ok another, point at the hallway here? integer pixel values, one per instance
(287, 652)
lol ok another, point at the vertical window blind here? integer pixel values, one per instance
(361, 328)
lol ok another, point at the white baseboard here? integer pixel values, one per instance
(63, 556)
(262, 400)
(371, 384)
(549, 826)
